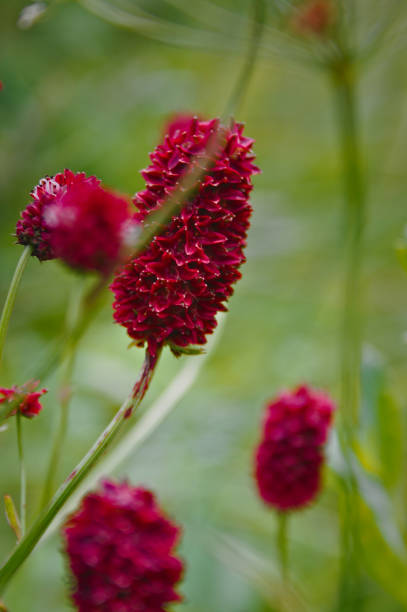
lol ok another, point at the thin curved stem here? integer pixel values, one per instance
(78, 319)
(257, 29)
(65, 393)
(33, 535)
(23, 480)
(11, 297)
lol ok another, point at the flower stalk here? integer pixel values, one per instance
(282, 544)
(33, 535)
(23, 479)
(11, 297)
(343, 80)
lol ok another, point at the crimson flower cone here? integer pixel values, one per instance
(290, 456)
(171, 293)
(32, 229)
(120, 549)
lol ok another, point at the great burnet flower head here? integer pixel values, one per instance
(24, 400)
(32, 229)
(87, 226)
(120, 548)
(289, 457)
(173, 290)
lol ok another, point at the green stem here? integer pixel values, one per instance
(33, 535)
(11, 297)
(282, 544)
(78, 319)
(354, 225)
(351, 337)
(257, 28)
(65, 393)
(23, 481)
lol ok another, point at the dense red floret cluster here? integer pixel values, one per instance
(120, 552)
(290, 455)
(87, 226)
(24, 400)
(32, 228)
(173, 290)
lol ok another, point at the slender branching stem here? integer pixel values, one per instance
(23, 480)
(11, 297)
(33, 535)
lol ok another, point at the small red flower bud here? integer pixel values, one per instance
(120, 549)
(32, 228)
(87, 226)
(173, 290)
(314, 17)
(290, 455)
(24, 400)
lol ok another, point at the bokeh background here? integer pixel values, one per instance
(83, 93)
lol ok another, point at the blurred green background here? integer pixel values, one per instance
(82, 93)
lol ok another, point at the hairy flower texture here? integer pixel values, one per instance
(24, 399)
(88, 226)
(290, 455)
(173, 290)
(120, 548)
(32, 228)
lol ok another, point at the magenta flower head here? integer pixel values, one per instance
(171, 293)
(24, 400)
(32, 229)
(120, 549)
(289, 457)
(87, 226)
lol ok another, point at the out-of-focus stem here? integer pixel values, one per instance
(351, 339)
(23, 481)
(354, 224)
(78, 319)
(33, 535)
(11, 297)
(242, 82)
(282, 544)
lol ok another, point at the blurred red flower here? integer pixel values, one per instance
(290, 454)
(120, 548)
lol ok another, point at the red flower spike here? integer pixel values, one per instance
(88, 226)
(171, 293)
(120, 549)
(24, 400)
(289, 457)
(32, 228)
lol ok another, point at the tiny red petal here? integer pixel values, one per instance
(289, 457)
(120, 548)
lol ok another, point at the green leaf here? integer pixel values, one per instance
(380, 560)
(390, 439)
(401, 250)
(12, 516)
